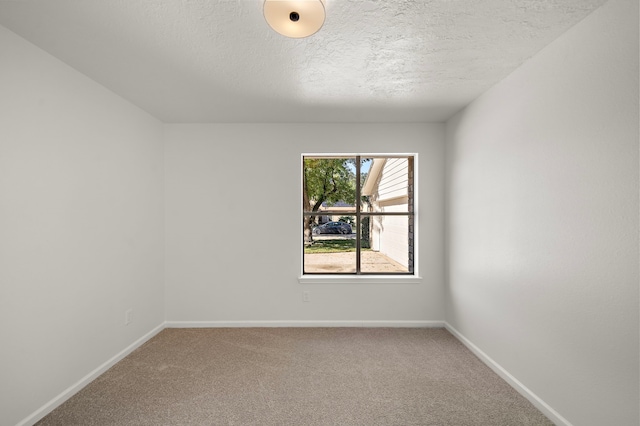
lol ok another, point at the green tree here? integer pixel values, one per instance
(326, 180)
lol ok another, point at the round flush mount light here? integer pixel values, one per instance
(294, 18)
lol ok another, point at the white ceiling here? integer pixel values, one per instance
(219, 61)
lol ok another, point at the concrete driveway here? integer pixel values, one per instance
(370, 261)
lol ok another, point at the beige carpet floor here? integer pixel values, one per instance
(299, 376)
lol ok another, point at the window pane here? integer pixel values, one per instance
(366, 182)
(329, 185)
(333, 249)
(386, 183)
(387, 244)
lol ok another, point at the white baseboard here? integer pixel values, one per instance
(235, 324)
(552, 414)
(73, 389)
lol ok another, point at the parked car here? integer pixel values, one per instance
(333, 228)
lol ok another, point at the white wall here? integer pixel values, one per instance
(543, 221)
(233, 223)
(81, 226)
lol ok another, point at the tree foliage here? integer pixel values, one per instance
(329, 181)
(326, 180)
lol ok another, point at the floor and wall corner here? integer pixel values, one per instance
(528, 204)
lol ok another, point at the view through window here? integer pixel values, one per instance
(358, 214)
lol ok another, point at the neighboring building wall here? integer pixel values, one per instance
(393, 182)
(390, 234)
(343, 208)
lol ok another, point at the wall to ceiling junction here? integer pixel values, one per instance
(81, 226)
(542, 184)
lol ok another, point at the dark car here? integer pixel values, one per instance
(333, 228)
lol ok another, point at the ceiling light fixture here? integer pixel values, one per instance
(294, 18)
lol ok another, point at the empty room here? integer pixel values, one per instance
(319, 212)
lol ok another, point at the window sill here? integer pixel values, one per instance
(359, 279)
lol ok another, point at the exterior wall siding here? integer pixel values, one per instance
(390, 234)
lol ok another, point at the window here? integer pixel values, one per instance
(358, 214)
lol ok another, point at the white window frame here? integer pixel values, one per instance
(369, 278)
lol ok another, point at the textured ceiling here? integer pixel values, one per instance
(218, 60)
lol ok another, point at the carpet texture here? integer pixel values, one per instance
(299, 376)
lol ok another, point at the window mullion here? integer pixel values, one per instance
(358, 242)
